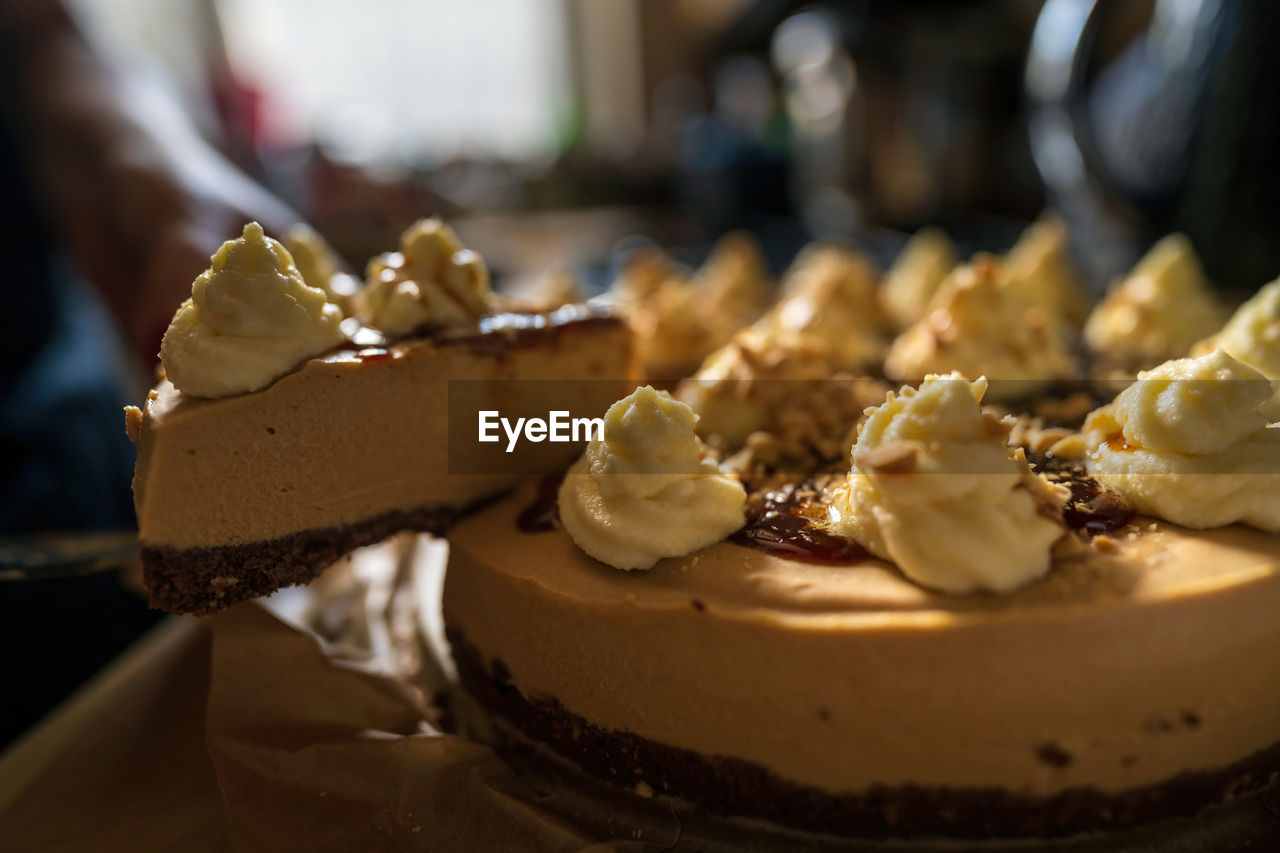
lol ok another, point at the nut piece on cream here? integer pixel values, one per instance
(645, 491)
(1159, 311)
(1039, 268)
(916, 275)
(251, 319)
(979, 325)
(935, 489)
(431, 281)
(1188, 442)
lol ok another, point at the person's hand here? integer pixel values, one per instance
(135, 194)
(144, 226)
(172, 251)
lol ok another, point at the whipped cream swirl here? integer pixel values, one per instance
(319, 264)
(1159, 311)
(251, 319)
(980, 325)
(1189, 442)
(645, 491)
(916, 275)
(1039, 268)
(1252, 335)
(935, 489)
(431, 281)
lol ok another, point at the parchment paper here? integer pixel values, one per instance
(322, 745)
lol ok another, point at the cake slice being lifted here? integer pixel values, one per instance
(285, 436)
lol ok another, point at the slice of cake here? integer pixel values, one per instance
(285, 436)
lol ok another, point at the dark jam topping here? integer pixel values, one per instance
(785, 521)
(778, 522)
(1091, 509)
(543, 512)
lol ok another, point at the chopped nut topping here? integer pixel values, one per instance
(1071, 447)
(996, 425)
(1068, 411)
(133, 422)
(1044, 443)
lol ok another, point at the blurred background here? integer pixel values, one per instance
(795, 119)
(561, 134)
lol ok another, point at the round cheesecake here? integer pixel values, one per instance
(1139, 679)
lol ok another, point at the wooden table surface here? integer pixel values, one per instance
(121, 765)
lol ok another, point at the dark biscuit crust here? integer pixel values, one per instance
(201, 581)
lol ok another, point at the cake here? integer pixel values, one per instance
(842, 581)
(835, 695)
(975, 624)
(285, 435)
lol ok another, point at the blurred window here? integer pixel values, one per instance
(416, 81)
(409, 80)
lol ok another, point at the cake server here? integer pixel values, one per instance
(58, 555)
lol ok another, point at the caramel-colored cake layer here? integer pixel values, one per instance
(1117, 671)
(346, 437)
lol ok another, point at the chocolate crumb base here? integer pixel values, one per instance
(201, 581)
(735, 787)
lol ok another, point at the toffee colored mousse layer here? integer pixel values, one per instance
(1139, 679)
(732, 787)
(241, 495)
